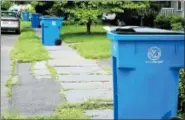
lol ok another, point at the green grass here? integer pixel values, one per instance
(8, 116)
(10, 83)
(25, 26)
(28, 47)
(13, 67)
(93, 46)
(64, 113)
(107, 69)
(52, 71)
(73, 113)
(90, 104)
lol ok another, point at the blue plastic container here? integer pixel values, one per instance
(51, 30)
(30, 16)
(25, 16)
(35, 20)
(146, 63)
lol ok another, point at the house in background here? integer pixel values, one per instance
(175, 8)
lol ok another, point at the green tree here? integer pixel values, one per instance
(5, 5)
(88, 12)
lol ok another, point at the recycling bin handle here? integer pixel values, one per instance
(123, 30)
(127, 68)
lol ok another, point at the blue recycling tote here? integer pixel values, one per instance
(51, 30)
(35, 20)
(25, 16)
(146, 64)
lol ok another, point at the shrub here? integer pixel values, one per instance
(169, 22)
(177, 19)
(163, 22)
(5, 5)
(181, 96)
(176, 26)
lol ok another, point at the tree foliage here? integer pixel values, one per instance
(88, 12)
(182, 93)
(5, 5)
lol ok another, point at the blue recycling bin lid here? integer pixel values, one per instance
(144, 33)
(36, 14)
(51, 17)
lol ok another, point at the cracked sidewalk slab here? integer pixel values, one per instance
(100, 114)
(72, 62)
(43, 77)
(77, 96)
(41, 72)
(79, 70)
(62, 55)
(35, 97)
(40, 65)
(87, 86)
(84, 78)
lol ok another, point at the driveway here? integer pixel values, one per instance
(7, 42)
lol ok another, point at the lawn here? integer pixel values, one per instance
(93, 46)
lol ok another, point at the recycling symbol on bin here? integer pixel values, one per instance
(154, 53)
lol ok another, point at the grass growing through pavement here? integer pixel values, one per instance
(32, 68)
(68, 111)
(10, 83)
(52, 71)
(61, 114)
(28, 47)
(93, 46)
(90, 104)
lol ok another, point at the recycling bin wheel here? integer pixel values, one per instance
(58, 42)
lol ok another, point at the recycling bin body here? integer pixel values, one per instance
(145, 73)
(25, 16)
(35, 20)
(51, 30)
(30, 16)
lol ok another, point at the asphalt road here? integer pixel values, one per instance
(7, 42)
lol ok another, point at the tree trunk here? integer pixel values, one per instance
(88, 25)
(141, 21)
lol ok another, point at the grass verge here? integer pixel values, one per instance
(28, 47)
(93, 46)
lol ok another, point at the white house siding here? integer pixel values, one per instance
(184, 10)
(174, 4)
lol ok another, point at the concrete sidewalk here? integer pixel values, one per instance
(7, 42)
(81, 79)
